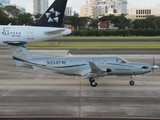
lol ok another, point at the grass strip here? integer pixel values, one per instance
(94, 45)
(109, 37)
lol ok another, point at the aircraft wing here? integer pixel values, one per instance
(95, 71)
(57, 31)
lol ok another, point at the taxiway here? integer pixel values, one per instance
(25, 92)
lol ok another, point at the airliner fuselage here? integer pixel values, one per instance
(30, 34)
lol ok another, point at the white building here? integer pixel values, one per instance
(68, 11)
(103, 7)
(85, 10)
(40, 6)
(142, 12)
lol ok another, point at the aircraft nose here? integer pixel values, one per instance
(155, 67)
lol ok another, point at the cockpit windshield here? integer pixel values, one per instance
(120, 60)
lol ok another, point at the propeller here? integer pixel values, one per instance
(154, 66)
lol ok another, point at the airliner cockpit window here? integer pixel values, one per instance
(119, 60)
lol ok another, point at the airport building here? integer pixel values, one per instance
(68, 11)
(40, 6)
(96, 8)
(5, 2)
(143, 12)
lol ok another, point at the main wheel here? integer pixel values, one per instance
(93, 84)
(131, 83)
(91, 80)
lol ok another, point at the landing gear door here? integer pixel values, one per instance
(30, 35)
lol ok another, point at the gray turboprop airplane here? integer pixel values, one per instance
(91, 68)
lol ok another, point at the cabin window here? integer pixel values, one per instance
(79, 63)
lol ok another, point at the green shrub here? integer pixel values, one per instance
(119, 32)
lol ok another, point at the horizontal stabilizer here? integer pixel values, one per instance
(55, 31)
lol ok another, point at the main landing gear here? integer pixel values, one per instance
(92, 82)
(131, 82)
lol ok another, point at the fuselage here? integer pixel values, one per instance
(30, 34)
(113, 65)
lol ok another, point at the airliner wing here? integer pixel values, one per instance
(55, 31)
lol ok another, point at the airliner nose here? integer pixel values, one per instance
(155, 67)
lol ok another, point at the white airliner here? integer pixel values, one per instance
(47, 27)
(91, 68)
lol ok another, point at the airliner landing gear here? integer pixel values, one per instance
(92, 82)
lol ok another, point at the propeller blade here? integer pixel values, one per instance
(153, 60)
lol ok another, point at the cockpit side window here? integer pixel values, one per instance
(119, 60)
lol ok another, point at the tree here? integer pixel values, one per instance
(123, 22)
(25, 18)
(94, 23)
(37, 16)
(150, 20)
(12, 11)
(139, 24)
(72, 20)
(156, 23)
(3, 17)
(83, 22)
(118, 21)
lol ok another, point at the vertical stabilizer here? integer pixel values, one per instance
(19, 53)
(54, 15)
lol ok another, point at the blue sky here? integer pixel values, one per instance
(75, 4)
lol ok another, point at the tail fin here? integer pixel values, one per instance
(19, 53)
(53, 17)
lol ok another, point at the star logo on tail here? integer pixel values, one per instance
(52, 15)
